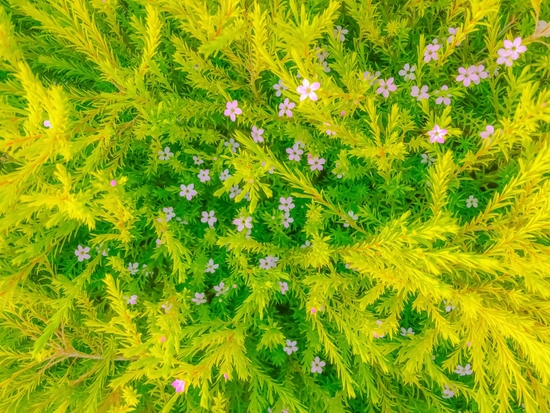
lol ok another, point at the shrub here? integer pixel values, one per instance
(276, 206)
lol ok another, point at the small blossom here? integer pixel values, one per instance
(257, 134)
(294, 153)
(452, 31)
(286, 108)
(234, 191)
(165, 155)
(287, 220)
(286, 204)
(307, 90)
(449, 306)
(82, 253)
(225, 175)
(443, 97)
(133, 267)
(221, 289)
(407, 332)
(326, 69)
(407, 72)
(504, 57)
(340, 33)
(448, 393)
(243, 223)
(197, 160)
(480, 72)
(232, 145)
(317, 365)
(102, 250)
(431, 52)
(199, 298)
(169, 213)
(232, 110)
(290, 347)
(132, 300)
(437, 134)
(204, 175)
(352, 216)
(188, 191)
(467, 76)
(541, 26)
(113, 182)
(279, 87)
(489, 130)
(515, 48)
(47, 124)
(316, 163)
(371, 78)
(427, 159)
(209, 218)
(166, 307)
(420, 93)
(179, 385)
(385, 87)
(464, 371)
(471, 202)
(306, 244)
(264, 264)
(283, 287)
(211, 267)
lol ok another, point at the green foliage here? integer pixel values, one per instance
(116, 279)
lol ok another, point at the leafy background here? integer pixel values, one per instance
(120, 81)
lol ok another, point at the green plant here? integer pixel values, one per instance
(398, 258)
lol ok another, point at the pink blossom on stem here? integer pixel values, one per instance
(232, 110)
(307, 90)
(437, 134)
(286, 108)
(385, 87)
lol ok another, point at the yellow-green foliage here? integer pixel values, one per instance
(415, 270)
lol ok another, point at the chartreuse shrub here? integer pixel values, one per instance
(273, 206)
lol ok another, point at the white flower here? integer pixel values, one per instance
(82, 253)
(243, 223)
(283, 286)
(268, 262)
(339, 33)
(405, 332)
(221, 289)
(204, 175)
(188, 191)
(464, 371)
(209, 217)
(132, 300)
(287, 220)
(197, 160)
(165, 155)
(232, 145)
(427, 159)
(225, 175)
(407, 72)
(169, 213)
(316, 163)
(471, 202)
(234, 191)
(279, 87)
(290, 347)
(448, 393)
(211, 267)
(199, 298)
(352, 216)
(286, 204)
(317, 365)
(133, 267)
(294, 153)
(449, 306)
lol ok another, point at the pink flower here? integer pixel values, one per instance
(204, 175)
(340, 33)
(313, 310)
(371, 78)
(285, 108)
(179, 385)
(316, 163)
(317, 365)
(421, 93)
(504, 57)
(82, 253)
(437, 134)
(47, 124)
(225, 376)
(443, 98)
(287, 220)
(515, 47)
(188, 191)
(243, 223)
(480, 72)
(467, 76)
(307, 90)
(489, 130)
(294, 152)
(208, 217)
(257, 134)
(279, 87)
(113, 183)
(132, 300)
(385, 87)
(407, 72)
(284, 288)
(232, 110)
(431, 52)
